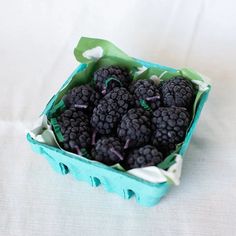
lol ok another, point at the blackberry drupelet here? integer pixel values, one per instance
(109, 77)
(75, 128)
(135, 128)
(177, 92)
(110, 109)
(146, 91)
(82, 97)
(169, 125)
(147, 155)
(108, 150)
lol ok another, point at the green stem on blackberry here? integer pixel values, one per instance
(108, 80)
(127, 144)
(152, 98)
(144, 104)
(94, 137)
(80, 106)
(117, 153)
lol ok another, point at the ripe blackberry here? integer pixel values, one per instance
(147, 155)
(146, 92)
(135, 128)
(109, 77)
(82, 97)
(75, 128)
(169, 125)
(108, 151)
(178, 92)
(110, 109)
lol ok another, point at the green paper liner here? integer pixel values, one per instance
(170, 159)
(57, 109)
(57, 129)
(111, 55)
(108, 50)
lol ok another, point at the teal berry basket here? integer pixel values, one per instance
(122, 183)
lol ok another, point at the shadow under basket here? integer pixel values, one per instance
(113, 180)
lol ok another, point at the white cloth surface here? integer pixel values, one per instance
(36, 55)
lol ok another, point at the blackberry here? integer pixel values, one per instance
(135, 128)
(109, 77)
(146, 92)
(170, 125)
(110, 109)
(108, 151)
(74, 125)
(177, 92)
(82, 97)
(147, 155)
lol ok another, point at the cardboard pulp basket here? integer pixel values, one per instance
(113, 180)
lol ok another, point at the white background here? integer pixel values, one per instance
(36, 55)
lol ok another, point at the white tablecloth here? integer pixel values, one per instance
(36, 55)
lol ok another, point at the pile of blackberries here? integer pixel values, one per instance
(116, 119)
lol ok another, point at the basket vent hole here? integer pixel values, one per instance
(64, 168)
(96, 181)
(130, 193)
